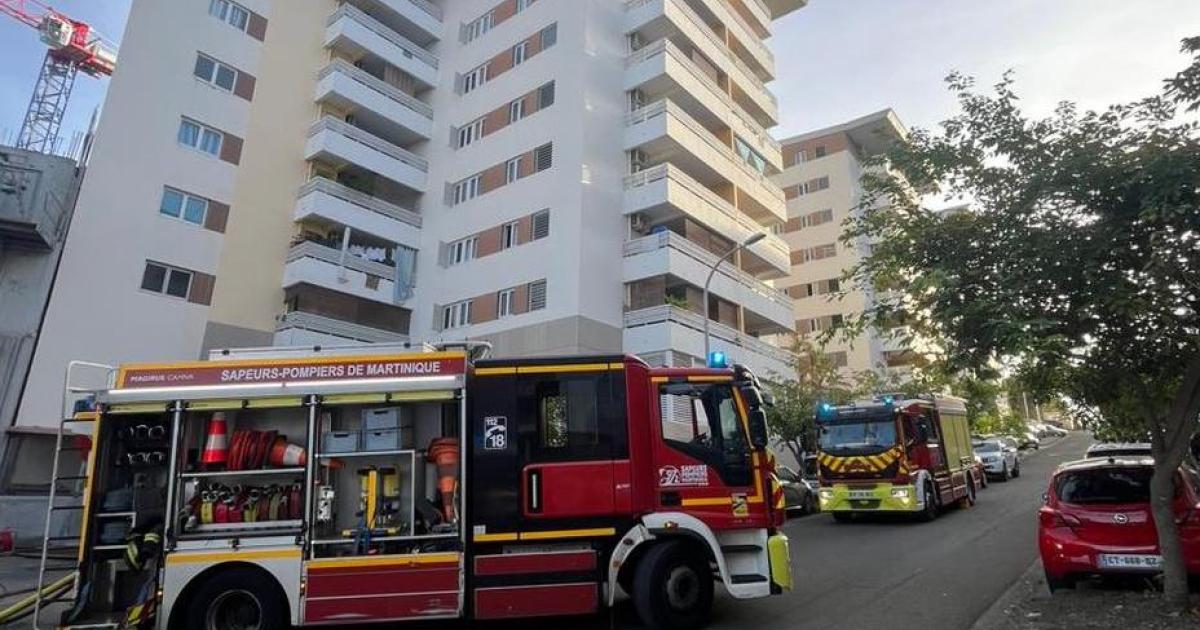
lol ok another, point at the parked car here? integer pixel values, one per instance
(1029, 439)
(799, 494)
(1096, 520)
(1118, 449)
(1056, 431)
(999, 458)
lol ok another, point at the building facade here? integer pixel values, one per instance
(554, 176)
(821, 181)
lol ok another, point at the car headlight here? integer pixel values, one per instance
(826, 493)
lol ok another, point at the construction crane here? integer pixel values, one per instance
(74, 47)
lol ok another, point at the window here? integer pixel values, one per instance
(541, 225)
(214, 72)
(180, 205)
(549, 36)
(816, 218)
(546, 95)
(516, 110)
(474, 79)
(537, 295)
(481, 25)
(819, 252)
(166, 280)
(509, 235)
(800, 157)
(523, 4)
(470, 133)
(813, 185)
(461, 251)
(543, 157)
(1105, 486)
(750, 156)
(512, 170)
(819, 151)
(838, 359)
(232, 14)
(504, 302)
(456, 315)
(575, 417)
(702, 421)
(519, 53)
(197, 136)
(467, 189)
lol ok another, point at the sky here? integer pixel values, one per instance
(837, 59)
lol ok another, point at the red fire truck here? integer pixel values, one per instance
(895, 455)
(329, 487)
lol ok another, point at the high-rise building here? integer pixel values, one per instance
(821, 180)
(554, 176)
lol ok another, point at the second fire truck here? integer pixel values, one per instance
(327, 487)
(895, 455)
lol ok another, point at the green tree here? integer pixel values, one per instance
(817, 380)
(1078, 264)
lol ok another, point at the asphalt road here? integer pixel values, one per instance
(934, 576)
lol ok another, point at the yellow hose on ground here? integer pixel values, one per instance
(52, 590)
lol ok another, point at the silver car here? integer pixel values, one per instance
(999, 458)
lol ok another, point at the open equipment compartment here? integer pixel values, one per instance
(377, 486)
(253, 483)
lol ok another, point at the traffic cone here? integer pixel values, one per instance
(285, 455)
(216, 446)
(444, 453)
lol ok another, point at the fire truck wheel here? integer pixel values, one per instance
(237, 599)
(969, 500)
(931, 504)
(673, 587)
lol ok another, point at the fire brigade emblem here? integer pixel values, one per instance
(495, 433)
(740, 506)
(673, 476)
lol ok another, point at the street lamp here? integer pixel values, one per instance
(752, 239)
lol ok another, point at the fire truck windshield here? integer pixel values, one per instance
(857, 435)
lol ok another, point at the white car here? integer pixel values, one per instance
(999, 458)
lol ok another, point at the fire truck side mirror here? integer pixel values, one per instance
(759, 437)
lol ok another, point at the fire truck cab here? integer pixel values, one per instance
(277, 487)
(895, 454)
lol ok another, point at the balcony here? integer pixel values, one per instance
(418, 20)
(753, 50)
(674, 19)
(664, 132)
(306, 329)
(329, 268)
(664, 191)
(352, 30)
(668, 253)
(662, 70)
(780, 8)
(665, 327)
(340, 143)
(377, 103)
(334, 203)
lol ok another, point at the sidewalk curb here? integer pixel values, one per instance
(996, 617)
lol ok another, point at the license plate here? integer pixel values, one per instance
(1129, 561)
(859, 495)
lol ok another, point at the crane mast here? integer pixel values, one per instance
(73, 47)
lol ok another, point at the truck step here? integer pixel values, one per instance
(747, 578)
(740, 548)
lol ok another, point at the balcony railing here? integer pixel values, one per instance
(677, 175)
(360, 199)
(667, 108)
(749, 37)
(309, 249)
(409, 47)
(336, 327)
(329, 123)
(379, 85)
(695, 321)
(702, 26)
(667, 238)
(665, 46)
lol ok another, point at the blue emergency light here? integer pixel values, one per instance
(717, 359)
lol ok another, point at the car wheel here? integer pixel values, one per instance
(237, 599)
(1005, 475)
(1017, 470)
(931, 507)
(1059, 583)
(673, 588)
(814, 506)
(983, 480)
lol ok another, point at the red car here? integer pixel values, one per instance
(1097, 520)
